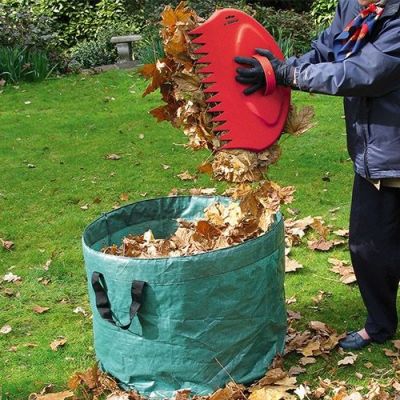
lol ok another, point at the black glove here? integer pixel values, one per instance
(284, 74)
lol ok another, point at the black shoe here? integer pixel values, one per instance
(354, 341)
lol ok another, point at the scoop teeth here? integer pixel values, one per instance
(204, 60)
(216, 108)
(214, 99)
(226, 126)
(219, 118)
(206, 70)
(209, 79)
(197, 40)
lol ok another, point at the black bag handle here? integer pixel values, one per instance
(103, 303)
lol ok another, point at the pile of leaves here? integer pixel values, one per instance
(249, 215)
(186, 108)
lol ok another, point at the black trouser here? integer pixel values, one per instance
(375, 253)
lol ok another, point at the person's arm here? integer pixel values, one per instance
(373, 71)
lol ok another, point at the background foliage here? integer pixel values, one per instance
(65, 34)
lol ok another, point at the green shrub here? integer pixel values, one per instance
(23, 28)
(294, 30)
(323, 12)
(99, 50)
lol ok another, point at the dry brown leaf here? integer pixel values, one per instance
(320, 245)
(292, 265)
(7, 244)
(271, 393)
(5, 329)
(307, 360)
(11, 278)
(342, 232)
(348, 360)
(186, 176)
(67, 394)
(113, 157)
(40, 310)
(300, 121)
(56, 344)
(124, 196)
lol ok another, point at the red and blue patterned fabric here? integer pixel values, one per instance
(356, 33)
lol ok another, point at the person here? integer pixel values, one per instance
(358, 57)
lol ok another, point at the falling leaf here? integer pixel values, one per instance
(113, 157)
(56, 344)
(300, 121)
(5, 329)
(10, 277)
(7, 244)
(40, 310)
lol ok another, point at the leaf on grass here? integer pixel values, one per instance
(84, 207)
(40, 310)
(113, 157)
(186, 176)
(320, 245)
(348, 360)
(203, 192)
(292, 265)
(5, 329)
(124, 196)
(56, 344)
(11, 278)
(344, 269)
(80, 310)
(47, 264)
(67, 394)
(7, 244)
(307, 360)
(342, 232)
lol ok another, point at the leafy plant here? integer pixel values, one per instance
(18, 63)
(294, 30)
(323, 12)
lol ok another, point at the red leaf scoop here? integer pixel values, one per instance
(252, 122)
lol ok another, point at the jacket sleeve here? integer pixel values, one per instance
(321, 47)
(372, 72)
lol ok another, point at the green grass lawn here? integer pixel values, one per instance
(65, 128)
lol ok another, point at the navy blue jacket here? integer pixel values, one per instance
(370, 82)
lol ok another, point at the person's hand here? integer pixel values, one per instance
(254, 74)
(284, 73)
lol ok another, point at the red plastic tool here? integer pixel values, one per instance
(252, 122)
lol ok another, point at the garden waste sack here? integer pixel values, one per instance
(190, 322)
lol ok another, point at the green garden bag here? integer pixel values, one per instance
(191, 322)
